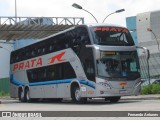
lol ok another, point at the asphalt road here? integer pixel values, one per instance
(93, 105)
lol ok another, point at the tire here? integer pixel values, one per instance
(27, 96)
(76, 96)
(21, 95)
(113, 99)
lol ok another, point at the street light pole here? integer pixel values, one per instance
(150, 30)
(16, 10)
(80, 7)
(117, 11)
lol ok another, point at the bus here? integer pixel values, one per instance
(85, 61)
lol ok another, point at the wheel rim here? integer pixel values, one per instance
(21, 95)
(27, 96)
(77, 94)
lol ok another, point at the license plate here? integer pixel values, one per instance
(123, 91)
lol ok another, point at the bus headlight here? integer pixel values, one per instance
(104, 84)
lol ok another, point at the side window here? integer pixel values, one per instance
(79, 38)
(68, 71)
(89, 68)
(41, 75)
(32, 76)
(51, 45)
(61, 41)
(70, 38)
(50, 48)
(59, 71)
(17, 58)
(13, 57)
(53, 72)
(82, 35)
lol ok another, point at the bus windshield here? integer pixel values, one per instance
(118, 65)
(112, 36)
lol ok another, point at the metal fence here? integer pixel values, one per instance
(37, 20)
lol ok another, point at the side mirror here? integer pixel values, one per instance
(146, 51)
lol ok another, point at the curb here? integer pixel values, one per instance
(141, 97)
(6, 97)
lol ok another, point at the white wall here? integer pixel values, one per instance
(148, 39)
(5, 59)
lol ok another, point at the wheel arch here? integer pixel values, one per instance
(74, 84)
(26, 87)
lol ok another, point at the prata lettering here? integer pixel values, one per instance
(28, 64)
(112, 29)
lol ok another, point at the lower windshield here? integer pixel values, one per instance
(119, 64)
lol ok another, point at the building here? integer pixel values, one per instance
(131, 25)
(5, 50)
(145, 29)
(148, 29)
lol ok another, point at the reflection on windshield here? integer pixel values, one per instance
(112, 36)
(121, 64)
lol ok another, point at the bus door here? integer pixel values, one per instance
(84, 53)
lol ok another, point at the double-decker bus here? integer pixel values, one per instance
(85, 61)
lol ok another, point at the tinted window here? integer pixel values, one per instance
(53, 72)
(74, 39)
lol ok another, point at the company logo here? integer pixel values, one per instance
(57, 57)
(122, 84)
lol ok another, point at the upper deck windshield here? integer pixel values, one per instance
(113, 36)
(119, 65)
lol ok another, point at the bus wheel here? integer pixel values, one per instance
(27, 95)
(21, 95)
(113, 99)
(76, 96)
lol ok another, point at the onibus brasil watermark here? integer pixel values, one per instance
(21, 114)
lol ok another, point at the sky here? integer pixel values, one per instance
(63, 8)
